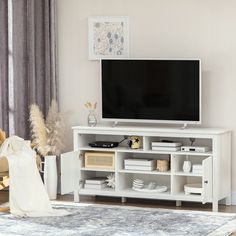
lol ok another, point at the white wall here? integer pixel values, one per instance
(158, 28)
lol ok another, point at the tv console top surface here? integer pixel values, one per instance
(152, 128)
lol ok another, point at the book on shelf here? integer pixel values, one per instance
(95, 186)
(172, 149)
(141, 168)
(199, 172)
(166, 144)
(96, 180)
(197, 167)
(140, 162)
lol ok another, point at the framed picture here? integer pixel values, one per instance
(108, 37)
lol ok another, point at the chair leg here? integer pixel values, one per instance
(4, 209)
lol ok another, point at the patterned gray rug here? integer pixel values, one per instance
(100, 220)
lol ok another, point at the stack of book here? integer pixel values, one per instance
(95, 183)
(166, 146)
(197, 169)
(140, 164)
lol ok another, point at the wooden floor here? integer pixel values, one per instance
(149, 203)
(137, 202)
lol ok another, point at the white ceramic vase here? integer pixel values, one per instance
(187, 166)
(50, 176)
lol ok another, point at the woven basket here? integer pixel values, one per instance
(163, 165)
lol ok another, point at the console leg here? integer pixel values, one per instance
(76, 196)
(178, 203)
(215, 206)
(123, 199)
(228, 200)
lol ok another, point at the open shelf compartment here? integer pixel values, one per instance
(84, 140)
(125, 182)
(177, 162)
(185, 141)
(86, 175)
(121, 157)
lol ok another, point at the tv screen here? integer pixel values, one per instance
(150, 90)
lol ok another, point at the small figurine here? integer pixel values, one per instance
(134, 142)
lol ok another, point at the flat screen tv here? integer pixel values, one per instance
(151, 90)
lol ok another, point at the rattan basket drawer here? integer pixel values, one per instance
(100, 160)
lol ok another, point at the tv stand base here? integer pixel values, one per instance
(215, 177)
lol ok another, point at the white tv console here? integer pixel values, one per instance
(216, 177)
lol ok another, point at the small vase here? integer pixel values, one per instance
(92, 119)
(187, 166)
(50, 176)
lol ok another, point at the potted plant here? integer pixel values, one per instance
(47, 137)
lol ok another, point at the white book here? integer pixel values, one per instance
(130, 167)
(165, 144)
(96, 180)
(197, 167)
(194, 169)
(140, 162)
(95, 186)
(197, 172)
(172, 149)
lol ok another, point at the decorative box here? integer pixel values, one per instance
(100, 160)
(163, 165)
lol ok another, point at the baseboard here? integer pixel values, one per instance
(233, 198)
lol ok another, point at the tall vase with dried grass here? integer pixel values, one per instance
(47, 136)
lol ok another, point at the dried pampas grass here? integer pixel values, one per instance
(55, 129)
(47, 135)
(38, 129)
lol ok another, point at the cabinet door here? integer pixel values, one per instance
(207, 180)
(69, 171)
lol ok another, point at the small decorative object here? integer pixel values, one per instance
(138, 184)
(92, 119)
(163, 165)
(187, 166)
(152, 187)
(48, 139)
(108, 37)
(134, 142)
(111, 181)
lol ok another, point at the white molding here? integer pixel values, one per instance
(234, 198)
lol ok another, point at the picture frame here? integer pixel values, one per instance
(108, 37)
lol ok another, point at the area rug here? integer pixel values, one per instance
(102, 220)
